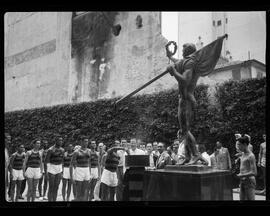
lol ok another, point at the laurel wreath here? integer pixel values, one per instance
(169, 53)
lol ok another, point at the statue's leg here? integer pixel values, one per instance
(190, 107)
(182, 131)
(192, 143)
(181, 116)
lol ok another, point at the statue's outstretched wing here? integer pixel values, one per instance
(207, 57)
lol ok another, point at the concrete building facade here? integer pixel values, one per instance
(37, 59)
(235, 70)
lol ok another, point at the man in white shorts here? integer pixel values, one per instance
(94, 169)
(54, 161)
(44, 178)
(16, 171)
(109, 179)
(32, 169)
(66, 173)
(81, 163)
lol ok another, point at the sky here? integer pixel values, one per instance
(169, 27)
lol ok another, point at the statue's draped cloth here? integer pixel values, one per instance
(207, 57)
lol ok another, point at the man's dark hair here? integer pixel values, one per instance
(243, 140)
(34, 141)
(19, 145)
(83, 137)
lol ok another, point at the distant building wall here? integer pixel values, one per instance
(246, 30)
(37, 59)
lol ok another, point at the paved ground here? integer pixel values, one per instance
(59, 198)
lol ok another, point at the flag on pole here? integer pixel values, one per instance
(207, 57)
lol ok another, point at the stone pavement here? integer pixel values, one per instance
(59, 197)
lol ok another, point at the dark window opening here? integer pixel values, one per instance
(219, 22)
(139, 21)
(214, 23)
(226, 20)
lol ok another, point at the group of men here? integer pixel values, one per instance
(94, 173)
(79, 168)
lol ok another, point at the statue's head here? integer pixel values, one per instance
(188, 48)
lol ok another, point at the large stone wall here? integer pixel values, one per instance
(130, 60)
(37, 59)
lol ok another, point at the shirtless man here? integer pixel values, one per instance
(262, 160)
(184, 72)
(248, 170)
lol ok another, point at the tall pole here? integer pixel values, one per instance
(142, 87)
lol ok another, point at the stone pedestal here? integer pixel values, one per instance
(187, 183)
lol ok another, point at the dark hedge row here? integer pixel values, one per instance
(150, 117)
(242, 106)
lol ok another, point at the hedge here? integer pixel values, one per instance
(150, 117)
(240, 108)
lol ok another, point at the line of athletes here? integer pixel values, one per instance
(79, 167)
